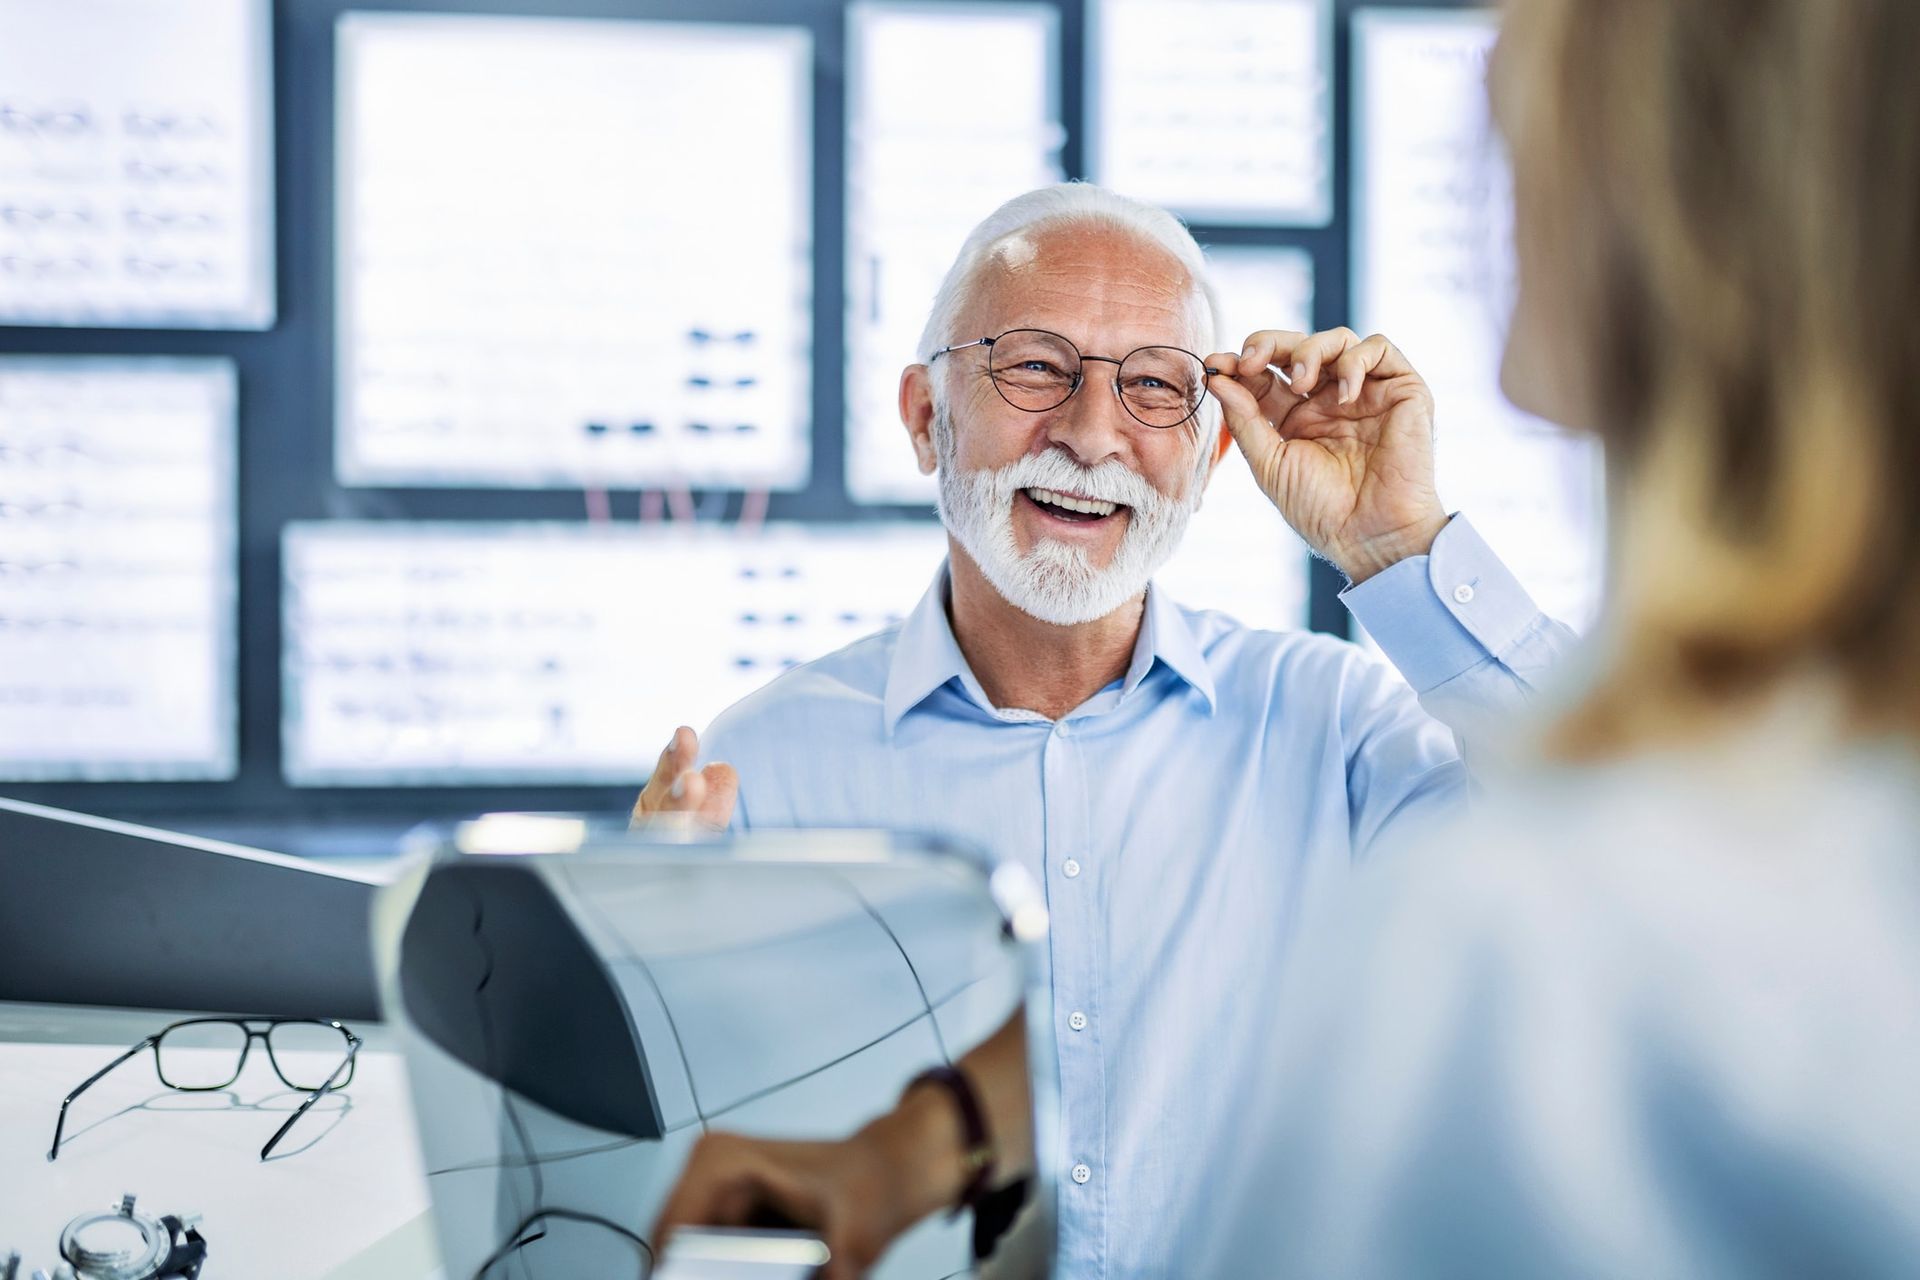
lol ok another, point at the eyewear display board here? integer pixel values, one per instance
(1432, 253)
(136, 171)
(952, 109)
(601, 278)
(1221, 110)
(559, 652)
(117, 569)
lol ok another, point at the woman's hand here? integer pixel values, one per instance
(858, 1196)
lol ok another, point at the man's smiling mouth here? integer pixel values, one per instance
(1071, 507)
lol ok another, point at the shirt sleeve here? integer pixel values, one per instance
(1473, 647)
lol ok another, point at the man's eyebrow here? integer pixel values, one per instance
(1183, 344)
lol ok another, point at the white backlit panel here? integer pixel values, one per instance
(1432, 221)
(559, 652)
(952, 109)
(1220, 110)
(573, 253)
(136, 172)
(117, 567)
(1239, 556)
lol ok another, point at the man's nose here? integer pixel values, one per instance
(1092, 425)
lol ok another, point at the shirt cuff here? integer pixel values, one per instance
(1437, 615)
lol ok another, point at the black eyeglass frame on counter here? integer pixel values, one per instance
(251, 1029)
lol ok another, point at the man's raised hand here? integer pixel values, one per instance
(1343, 445)
(679, 795)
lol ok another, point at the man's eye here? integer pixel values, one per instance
(1041, 366)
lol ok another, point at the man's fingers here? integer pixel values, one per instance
(1225, 363)
(722, 785)
(1265, 347)
(663, 770)
(1309, 360)
(681, 751)
(688, 792)
(1244, 418)
(1311, 355)
(1356, 362)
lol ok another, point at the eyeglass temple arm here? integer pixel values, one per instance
(353, 1047)
(961, 346)
(60, 1125)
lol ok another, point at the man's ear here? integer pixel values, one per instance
(916, 414)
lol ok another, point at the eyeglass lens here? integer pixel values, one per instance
(209, 1055)
(201, 1055)
(308, 1054)
(1037, 370)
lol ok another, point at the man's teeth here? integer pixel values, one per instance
(1087, 506)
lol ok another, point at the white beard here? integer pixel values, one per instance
(1055, 582)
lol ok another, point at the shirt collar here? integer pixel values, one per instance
(1166, 635)
(926, 656)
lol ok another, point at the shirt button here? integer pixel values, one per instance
(1077, 1020)
(1081, 1174)
(1463, 593)
(1071, 867)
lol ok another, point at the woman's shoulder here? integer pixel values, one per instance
(1624, 994)
(1667, 869)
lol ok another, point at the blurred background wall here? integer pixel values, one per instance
(409, 410)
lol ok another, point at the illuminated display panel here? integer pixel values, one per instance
(952, 109)
(136, 164)
(117, 569)
(1221, 110)
(1432, 224)
(602, 278)
(559, 652)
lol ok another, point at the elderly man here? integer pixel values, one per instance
(1184, 787)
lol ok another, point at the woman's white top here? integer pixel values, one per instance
(1659, 1018)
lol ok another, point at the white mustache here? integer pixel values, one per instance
(1053, 580)
(1108, 482)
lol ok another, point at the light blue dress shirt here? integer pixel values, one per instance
(1183, 820)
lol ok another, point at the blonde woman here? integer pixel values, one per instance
(1659, 1014)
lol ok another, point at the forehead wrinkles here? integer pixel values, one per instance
(1082, 276)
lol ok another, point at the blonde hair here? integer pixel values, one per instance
(1720, 201)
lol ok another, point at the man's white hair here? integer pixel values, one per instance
(1065, 204)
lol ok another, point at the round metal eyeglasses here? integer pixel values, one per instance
(1036, 370)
